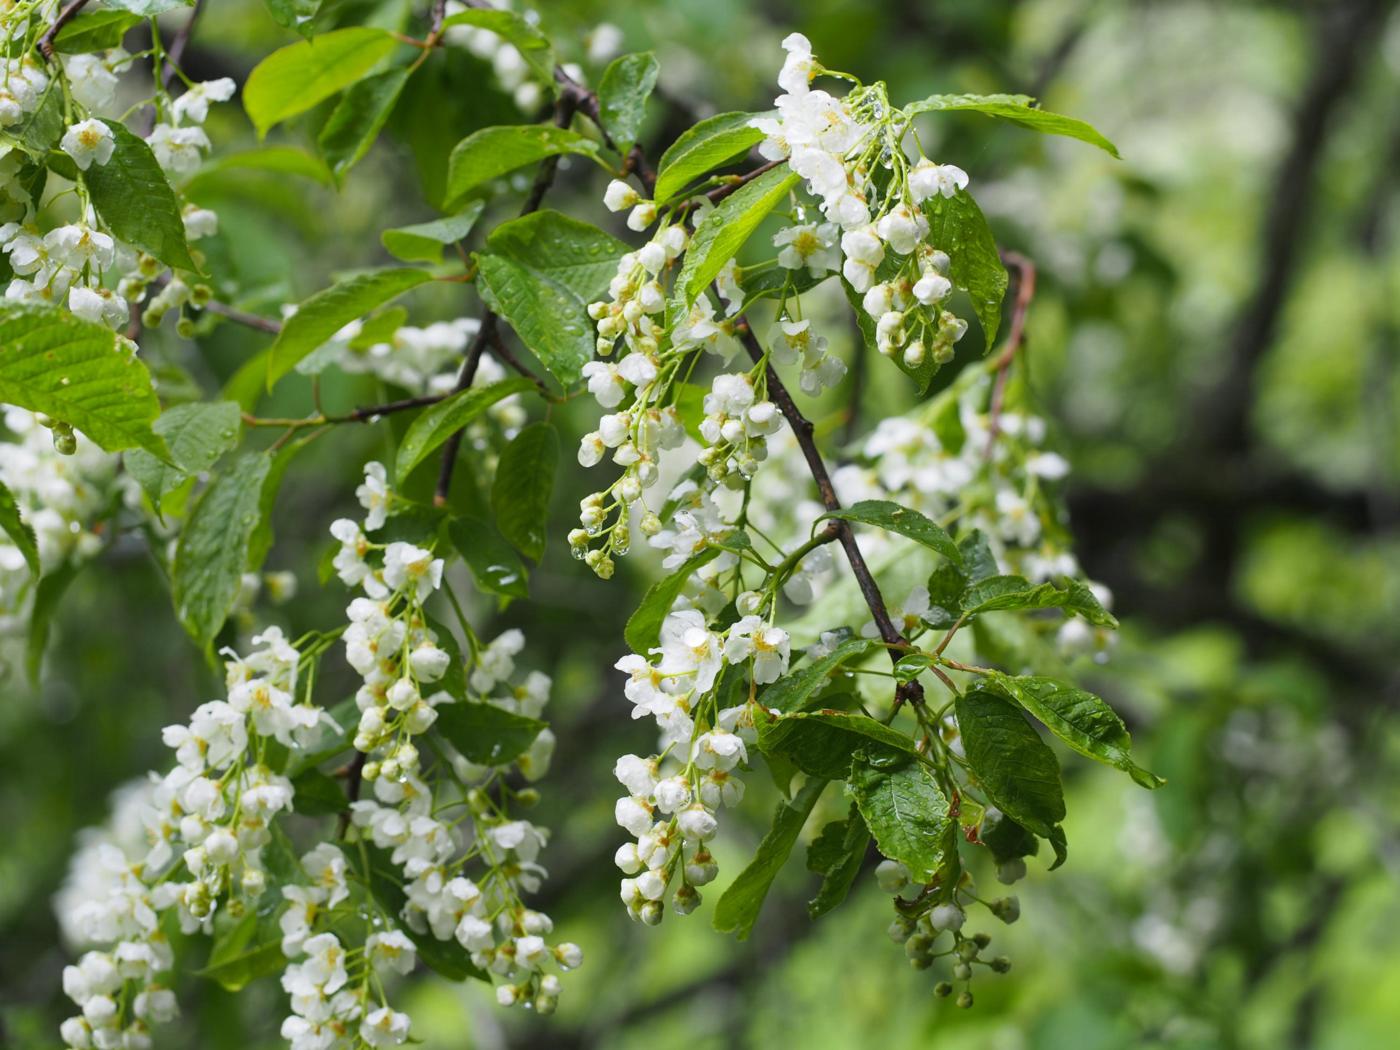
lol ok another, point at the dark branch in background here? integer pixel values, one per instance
(176, 51)
(1347, 31)
(1015, 336)
(263, 324)
(802, 429)
(64, 17)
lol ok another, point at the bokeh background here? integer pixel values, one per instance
(1215, 341)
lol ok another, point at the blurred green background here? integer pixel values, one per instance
(1215, 341)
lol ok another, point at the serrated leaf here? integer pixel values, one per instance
(957, 226)
(448, 957)
(892, 517)
(793, 691)
(724, 230)
(709, 144)
(837, 855)
(94, 31)
(358, 118)
(196, 434)
(738, 907)
(213, 547)
(318, 795)
(494, 565)
(328, 311)
(486, 734)
(906, 813)
(643, 630)
(1018, 772)
(73, 370)
(436, 423)
(523, 485)
(822, 743)
(1017, 593)
(424, 241)
(534, 46)
(978, 561)
(492, 152)
(133, 197)
(21, 535)
(1019, 109)
(540, 272)
(1082, 720)
(299, 76)
(622, 95)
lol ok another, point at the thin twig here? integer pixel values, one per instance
(1015, 337)
(64, 17)
(802, 429)
(732, 184)
(176, 51)
(262, 324)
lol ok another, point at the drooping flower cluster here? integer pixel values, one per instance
(409, 671)
(673, 797)
(205, 826)
(60, 496)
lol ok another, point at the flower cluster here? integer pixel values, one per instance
(673, 797)
(513, 72)
(402, 658)
(206, 825)
(62, 484)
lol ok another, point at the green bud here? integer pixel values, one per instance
(528, 797)
(967, 950)
(184, 327)
(652, 913)
(965, 1000)
(942, 989)
(1007, 909)
(200, 295)
(962, 971)
(982, 939)
(1001, 964)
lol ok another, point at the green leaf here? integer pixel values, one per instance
(514, 28)
(486, 734)
(540, 272)
(643, 630)
(447, 958)
(978, 561)
(131, 194)
(424, 241)
(1019, 109)
(522, 488)
(438, 422)
(328, 311)
(260, 543)
(494, 565)
(196, 434)
(905, 811)
(837, 855)
(1082, 720)
(712, 142)
(622, 96)
(358, 117)
(74, 370)
(492, 152)
(243, 952)
(294, 14)
(1016, 592)
(38, 131)
(724, 230)
(893, 518)
(94, 31)
(299, 76)
(148, 8)
(47, 595)
(739, 906)
(284, 160)
(1005, 838)
(822, 743)
(21, 535)
(213, 546)
(1018, 772)
(792, 692)
(957, 226)
(318, 795)
(946, 586)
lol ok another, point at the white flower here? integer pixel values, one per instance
(637, 775)
(413, 567)
(193, 105)
(604, 383)
(619, 196)
(720, 749)
(373, 495)
(325, 865)
(641, 216)
(932, 288)
(177, 150)
(93, 85)
(799, 67)
(927, 179)
(769, 646)
(698, 824)
(384, 1027)
(902, 229)
(689, 648)
(672, 794)
(88, 141)
(391, 951)
(809, 245)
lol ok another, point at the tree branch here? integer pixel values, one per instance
(1015, 336)
(802, 429)
(64, 17)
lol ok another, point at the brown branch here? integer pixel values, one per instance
(802, 429)
(176, 51)
(732, 184)
(64, 17)
(262, 324)
(1015, 337)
